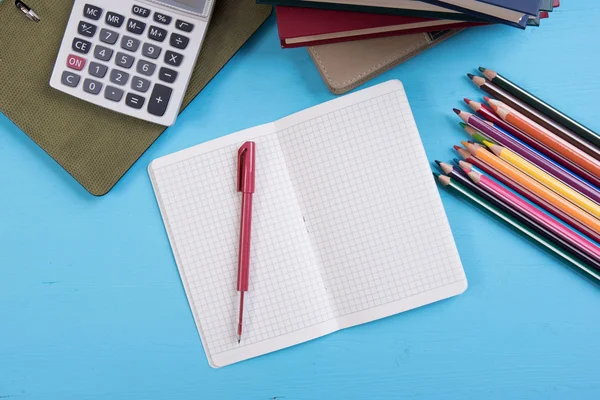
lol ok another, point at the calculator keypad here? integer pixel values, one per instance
(127, 55)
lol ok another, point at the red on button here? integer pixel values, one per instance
(75, 62)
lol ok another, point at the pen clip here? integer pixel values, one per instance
(246, 172)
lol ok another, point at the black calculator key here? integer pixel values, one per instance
(124, 60)
(162, 18)
(114, 19)
(141, 11)
(92, 12)
(173, 58)
(134, 101)
(140, 84)
(167, 75)
(151, 51)
(97, 70)
(179, 41)
(146, 68)
(92, 86)
(159, 100)
(108, 36)
(119, 77)
(157, 34)
(135, 26)
(81, 46)
(102, 53)
(184, 26)
(86, 29)
(129, 43)
(70, 79)
(113, 93)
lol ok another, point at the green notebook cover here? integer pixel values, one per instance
(96, 146)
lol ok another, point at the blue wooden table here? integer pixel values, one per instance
(91, 305)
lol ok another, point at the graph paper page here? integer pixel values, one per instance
(370, 205)
(339, 236)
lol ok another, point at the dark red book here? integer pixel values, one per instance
(312, 26)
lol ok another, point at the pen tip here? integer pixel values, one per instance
(482, 69)
(471, 76)
(456, 110)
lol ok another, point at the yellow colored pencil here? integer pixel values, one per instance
(544, 178)
(531, 184)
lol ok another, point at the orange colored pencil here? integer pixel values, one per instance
(546, 137)
(531, 184)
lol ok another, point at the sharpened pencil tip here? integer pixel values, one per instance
(457, 111)
(467, 100)
(482, 69)
(438, 162)
(487, 99)
(471, 76)
(456, 147)
(463, 125)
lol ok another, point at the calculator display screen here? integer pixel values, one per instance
(193, 6)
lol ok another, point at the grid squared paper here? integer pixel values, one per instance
(348, 225)
(364, 185)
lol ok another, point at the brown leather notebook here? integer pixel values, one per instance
(344, 66)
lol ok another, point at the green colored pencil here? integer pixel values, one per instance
(457, 187)
(474, 133)
(541, 106)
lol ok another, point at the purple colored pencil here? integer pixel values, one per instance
(530, 155)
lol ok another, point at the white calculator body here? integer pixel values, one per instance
(132, 57)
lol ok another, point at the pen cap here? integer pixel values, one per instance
(246, 172)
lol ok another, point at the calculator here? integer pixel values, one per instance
(132, 57)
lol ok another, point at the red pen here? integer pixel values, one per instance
(245, 184)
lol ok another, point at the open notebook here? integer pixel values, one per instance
(348, 226)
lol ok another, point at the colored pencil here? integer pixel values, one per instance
(475, 134)
(542, 219)
(534, 186)
(472, 163)
(541, 106)
(548, 138)
(536, 116)
(544, 178)
(546, 243)
(531, 155)
(488, 114)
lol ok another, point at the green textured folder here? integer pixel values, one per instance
(94, 145)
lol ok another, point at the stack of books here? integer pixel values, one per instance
(315, 22)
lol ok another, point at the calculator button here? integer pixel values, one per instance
(141, 11)
(97, 70)
(135, 26)
(157, 34)
(81, 46)
(184, 26)
(107, 36)
(134, 101)
(113, 93)
(92, 12)
(167, 75)
(129, 43)
(92, 86)
(119, 77)
(179, 41)
(151, 51)
(173, 58)
(102, 53)
(162, 18)
(124, 60)
(86, 29)
(146, 68)
(114, 19)
(140, 84)
(70, 79)
(159, 99)
(75, 62)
